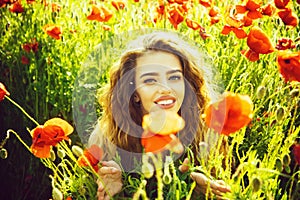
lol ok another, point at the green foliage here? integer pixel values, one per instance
(62, 78)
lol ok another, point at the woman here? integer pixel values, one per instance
(158, 71)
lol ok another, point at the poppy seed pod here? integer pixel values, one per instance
(279, 113)
(61, 153)
(261, 92)
(78, 151)
(147, 170)
(167, 178)
(3, 153)
(52, 155)
(294, 93)
(278, 164)
(256, 184)
(57, 194)
(286, 159)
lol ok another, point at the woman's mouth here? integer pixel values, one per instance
(165, 103)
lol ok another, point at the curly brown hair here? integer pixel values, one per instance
(121, 116)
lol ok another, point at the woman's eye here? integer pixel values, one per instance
(175, 77)
(149, 80)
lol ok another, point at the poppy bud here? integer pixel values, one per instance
(77, 150)
(278, 164)
(286, 160)
(147, 170)
(167, 178)
(81, 190)
(256, 184)
(261, 91)
(287, 169)
(57, 194)
(61, 153)
(279, 113)
(3, 153)
(204, 150)
(294, 93)
(52, 155)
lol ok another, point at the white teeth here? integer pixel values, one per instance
(165, 102)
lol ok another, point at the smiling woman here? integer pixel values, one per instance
(157, 72)
(159, 82)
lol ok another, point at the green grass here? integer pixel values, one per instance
(61, 74)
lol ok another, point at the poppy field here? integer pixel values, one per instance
(48, 90)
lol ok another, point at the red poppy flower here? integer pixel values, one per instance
(214, 20)
(280, 4)
(205, 3)
(106, 27)
(289, 65)
(163, 122)
(25, 60)
(16, 7)
(239, 32)
(213, 11)
(192, 24)
(296, 152)
(175, 13)
(119, 5)
(251, 9)
(53, 31)
(55, 7)
(259, 42)
(230, 114)
(3, 92)
(154, 142)
(251, 55)
(158, 126)
(285, 43)
(100, 13)
(91, 156)
(268, 9)
(288, 17)
(203, 34)
(27, 47)
(48, 135)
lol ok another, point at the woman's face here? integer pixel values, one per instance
(159, 81)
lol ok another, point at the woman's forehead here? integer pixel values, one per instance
(158, 60)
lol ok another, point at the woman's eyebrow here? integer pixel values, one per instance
(149, 74)
(174, 71)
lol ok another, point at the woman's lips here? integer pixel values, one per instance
(165, 102)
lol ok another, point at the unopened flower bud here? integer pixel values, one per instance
(82, 190)
(167, 178)
(147, 170)
(204, 150)
(261, 92)
(278, 164)
(294, 93)
(3, 153)
(78, 151)
(279, 113)
(61, 153)
(256, 184)
(287, 169)
(286, 160)
(57, 194)
(52, 155)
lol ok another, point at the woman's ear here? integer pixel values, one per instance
(136, 98)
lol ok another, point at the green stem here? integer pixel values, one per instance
(24, 112)
(18, 137)
(191, 190)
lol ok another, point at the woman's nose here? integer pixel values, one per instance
(164, 89)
